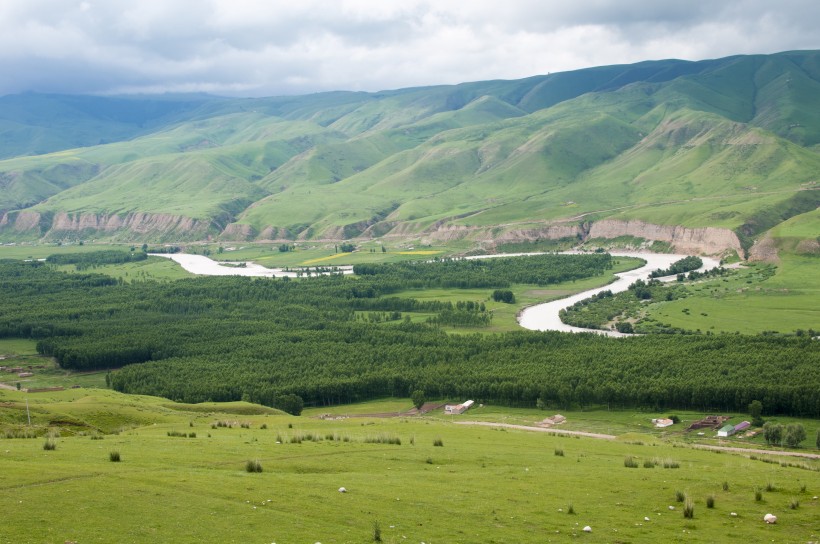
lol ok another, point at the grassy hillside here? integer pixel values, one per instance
(481, 484)
(714, 143)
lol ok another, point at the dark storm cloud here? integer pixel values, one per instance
(262, 47)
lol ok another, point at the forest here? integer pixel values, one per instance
(285, 343)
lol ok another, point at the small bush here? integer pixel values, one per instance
(253, 466)
(438, 442)
(50, 445)
(670, 463)
(710, 501)
(649, 463)
(559, 452)
(429, 461)
(630, 462)
(296, 439)
(680, 496)
(803, 488)
(383, 439)
(191, 435)
(114, 457)
(758, 494)
(794, 504)
(377, 532)
(263, 426)
(96, 437)
(245, 425)
(725, 486)
(688, 508)
(770, 487)
(570, 509)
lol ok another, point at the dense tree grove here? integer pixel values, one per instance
(490, 273)
(97, 258)
(682, 266)
(281, 343)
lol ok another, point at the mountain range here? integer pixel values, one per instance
(705, 156)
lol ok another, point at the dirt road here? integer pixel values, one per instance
(612, 437)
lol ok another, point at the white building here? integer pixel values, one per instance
(453, 409)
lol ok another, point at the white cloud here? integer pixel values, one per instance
(263, 47)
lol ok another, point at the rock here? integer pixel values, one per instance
(342, 490)
(733, 514)
(770, 518)
(646, 518)
(587, 529)
(671, 507)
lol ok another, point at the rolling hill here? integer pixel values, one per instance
(703, 156)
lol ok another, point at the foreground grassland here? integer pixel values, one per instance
(481, 485)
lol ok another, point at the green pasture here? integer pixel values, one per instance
(23, 353)
(751, 301)
(481, 485)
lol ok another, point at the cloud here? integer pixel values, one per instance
(265, 47)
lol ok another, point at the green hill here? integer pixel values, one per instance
(662, 150)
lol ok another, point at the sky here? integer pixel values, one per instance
(278, 47)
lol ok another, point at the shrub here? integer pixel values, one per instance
(725, 486)
(649, 463)
(570, 509)
(377, 532)
(630, 462)
(710, 501)
(263, 426)
(688, 508)
(680, 496)
(670, 463)
(50, 445)
(758, 494)
(770, 487)
(253, 466)
(383, 439)
(438, 442)
(559, 452)
(191, 435)
(429, 461)
(114, 457)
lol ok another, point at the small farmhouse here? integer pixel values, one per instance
(726, 430)
(454, 409)
(662, 422)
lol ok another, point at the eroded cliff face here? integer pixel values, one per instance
(136, 225)
(143, 226)
(704, 240)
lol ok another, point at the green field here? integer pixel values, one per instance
(501, 485)
(751, 302)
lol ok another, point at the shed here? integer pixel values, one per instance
(454, 409)
(742, 426)
(726, 430)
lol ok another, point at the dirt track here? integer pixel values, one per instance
(612, 437)
(537, 429)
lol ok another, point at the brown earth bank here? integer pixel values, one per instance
(138, 226)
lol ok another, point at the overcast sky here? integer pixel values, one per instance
(271, 47)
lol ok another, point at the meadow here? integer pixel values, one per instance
(182, 476)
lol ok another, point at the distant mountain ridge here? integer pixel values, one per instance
(728, 144)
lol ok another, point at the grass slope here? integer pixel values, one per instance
(482, 485)
(713, 143)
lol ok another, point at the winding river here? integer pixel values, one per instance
(540, 317)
